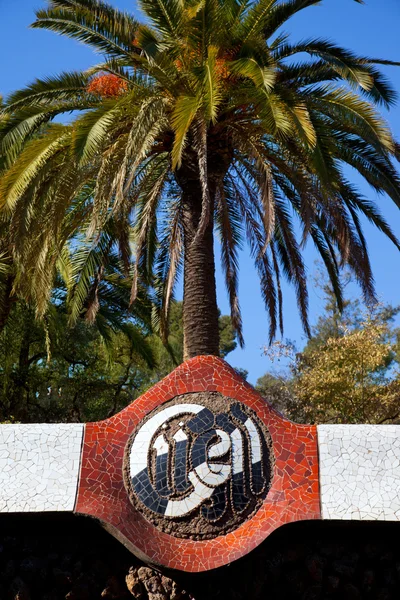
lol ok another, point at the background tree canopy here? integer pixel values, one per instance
(348, 372)
(50, 371)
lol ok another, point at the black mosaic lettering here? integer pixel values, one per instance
(187, 462)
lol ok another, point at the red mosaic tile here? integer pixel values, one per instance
(293, 496)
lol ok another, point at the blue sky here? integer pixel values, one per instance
(371, 29)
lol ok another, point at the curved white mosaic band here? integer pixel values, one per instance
(39, 467)
(359, 472)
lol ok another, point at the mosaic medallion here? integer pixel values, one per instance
(199, 465)
(198, 470)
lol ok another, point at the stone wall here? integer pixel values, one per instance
(57, 557)
(199, 470)
(194, 475)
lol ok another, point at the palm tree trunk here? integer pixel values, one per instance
(8, 301)
(200, 310)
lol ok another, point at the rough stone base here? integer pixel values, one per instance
(62, 557)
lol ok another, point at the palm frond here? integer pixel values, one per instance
(95, 23)
(294, 266)
(92, 128)
(166, 15)
(184, 113)
(169, 261)
(146, 236)
(86, 264)
(256, 19)
(228, 223)
(67, 86)
(35, 156)
(282, 12)
(346, 107)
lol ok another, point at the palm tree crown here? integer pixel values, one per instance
(204, 118)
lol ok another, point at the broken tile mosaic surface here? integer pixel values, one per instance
(360, 472)
(359, 468)
(203, 443)
(294, 493)
(39, 467)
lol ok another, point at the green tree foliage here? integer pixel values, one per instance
(278, 390)
(50, 371)
(348, 379)
(348, 371)
(206, 118)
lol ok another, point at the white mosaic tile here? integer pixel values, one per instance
(237, 452)
(222, 447)
(213, 477)
(360, 472)
(161, 445)
(39, 467)
(179, 508)
(255, 441)
(180, 435)
(140, 446)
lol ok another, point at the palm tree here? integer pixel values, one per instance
(205, 118)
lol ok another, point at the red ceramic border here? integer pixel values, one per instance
(294, 494)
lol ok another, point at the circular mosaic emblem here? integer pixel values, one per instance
(199, 465)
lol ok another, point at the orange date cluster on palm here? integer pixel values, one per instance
(107, 85)
(221, 65)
